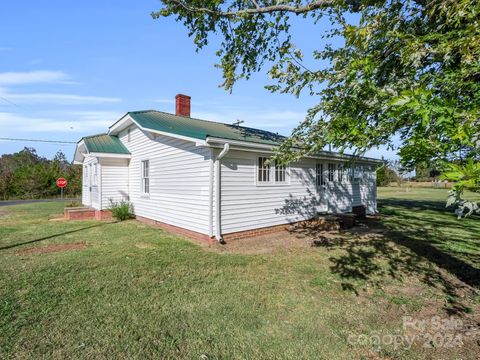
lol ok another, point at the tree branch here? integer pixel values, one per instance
(256, 10)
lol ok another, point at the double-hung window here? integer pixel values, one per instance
(95, 174)
(270, 174)
(263, 170)
(280, 173)
(340, 171)
(319, 178)
(146, 176)
(351, 172)
(331, 172)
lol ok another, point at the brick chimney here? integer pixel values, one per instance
(182, 105)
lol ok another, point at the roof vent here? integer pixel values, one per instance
(182, 105)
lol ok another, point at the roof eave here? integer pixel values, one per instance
(78, 156)
(110, 155)
(250, 146)
(120, 125)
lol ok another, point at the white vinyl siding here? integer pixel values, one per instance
(246, 206)
(178, 180)
(114, 178)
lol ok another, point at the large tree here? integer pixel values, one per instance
(26, 175)
(406, 76)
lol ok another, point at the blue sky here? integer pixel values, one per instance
(70, 69)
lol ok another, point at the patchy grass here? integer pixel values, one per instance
(136, 291)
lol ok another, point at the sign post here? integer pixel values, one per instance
(61, 183)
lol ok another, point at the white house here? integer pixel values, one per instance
(210, 179)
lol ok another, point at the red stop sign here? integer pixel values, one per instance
(61, 182)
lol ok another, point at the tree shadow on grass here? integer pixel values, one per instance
(51, 236)
(414, 204)
(399, 248)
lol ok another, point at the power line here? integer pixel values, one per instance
(11, 102)
(38, 140)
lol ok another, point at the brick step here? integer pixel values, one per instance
(79, 213)
(86, 213)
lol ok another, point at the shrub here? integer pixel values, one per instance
(74, 204)
(122, 210)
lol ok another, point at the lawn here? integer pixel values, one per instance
(126, 290)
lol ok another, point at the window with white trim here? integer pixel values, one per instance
(331, 172)
(263, 172)
(340, 170)
(90, 172)
(319, 178)
(280, 173)
(146, 176)
(351, 172)
(95, 174)
(271, 173)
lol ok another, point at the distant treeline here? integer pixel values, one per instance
(26, 175)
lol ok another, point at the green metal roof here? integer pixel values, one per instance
(104, 143)
(201, 129)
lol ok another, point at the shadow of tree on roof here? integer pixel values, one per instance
(248, 133)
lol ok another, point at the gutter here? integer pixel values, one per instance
(324, 155)
(218, 231)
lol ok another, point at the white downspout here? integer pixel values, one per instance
(218, 231)
(210, 194)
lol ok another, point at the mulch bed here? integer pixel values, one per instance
(52, 248)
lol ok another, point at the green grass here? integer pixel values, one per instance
(137, 291)
(420, 214)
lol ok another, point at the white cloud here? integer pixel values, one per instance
(164, 101)
(80, 122)
(56, 98)
(95, 115)
(31, 77)
(8, 79)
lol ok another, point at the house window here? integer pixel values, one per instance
(331, 172)
(340, 172)
(351, 172)
(90, 172)
(267, 174)
(95, 174)
(319, 178)
(280, 173)
(146, 176)
(263, 175)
